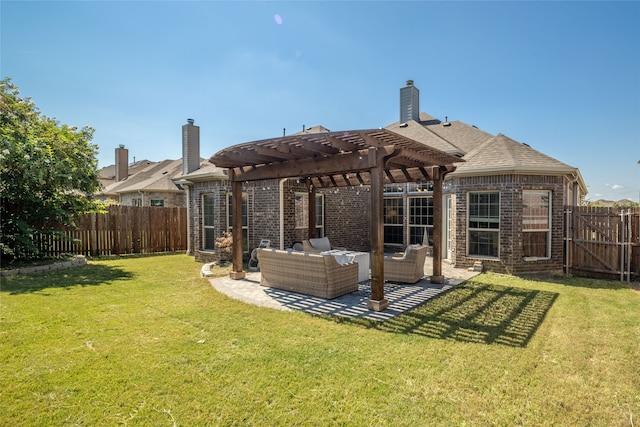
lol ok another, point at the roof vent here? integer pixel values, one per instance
(404, 125)
(446, 121)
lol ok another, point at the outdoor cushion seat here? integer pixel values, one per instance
(319, 244)
(407, 266)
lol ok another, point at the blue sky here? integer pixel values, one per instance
(563, 77)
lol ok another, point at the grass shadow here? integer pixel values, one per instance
(474, 312)
(86, 275)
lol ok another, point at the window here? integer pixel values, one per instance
(136, 201)
(393, 215)
(394, 188)
(208, 218)
(302, 212)
(421, 220)
(245, 219)
(484, 224)
(156, 202)
(420, 187)
(536, 224)
(319, 215)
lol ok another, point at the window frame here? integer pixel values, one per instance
(488, 219)
(211, 228)
(547, 229)
(412, 224)
(387, 225)
(305, 209)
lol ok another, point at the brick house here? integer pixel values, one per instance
(146, 183)
(502, 207)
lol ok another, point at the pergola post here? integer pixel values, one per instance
(437, 276)
(377, 302)
(236, 232)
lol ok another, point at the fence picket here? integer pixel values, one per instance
(121, 230)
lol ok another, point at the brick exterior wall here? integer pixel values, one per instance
(263, 208)
(347, 217)
(511, 208)
(348, 211)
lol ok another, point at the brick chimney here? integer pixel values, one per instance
(190, 147)
(409, 103)
(122, 163)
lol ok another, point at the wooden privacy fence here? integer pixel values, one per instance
(122, 230)
(602, 242)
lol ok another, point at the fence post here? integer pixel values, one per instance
(93, 232)
(567, 241)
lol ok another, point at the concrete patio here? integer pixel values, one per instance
(401, 297)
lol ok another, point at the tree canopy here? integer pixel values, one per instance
(48, 174)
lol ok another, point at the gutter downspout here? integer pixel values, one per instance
(187, 186)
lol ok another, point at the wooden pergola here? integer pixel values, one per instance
(371, 157)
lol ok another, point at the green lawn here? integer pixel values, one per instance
(146, 341)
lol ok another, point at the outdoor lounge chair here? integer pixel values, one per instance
(407, 266)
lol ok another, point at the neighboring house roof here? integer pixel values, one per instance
(109, 172)
(156, 177)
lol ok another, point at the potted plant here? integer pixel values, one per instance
(224, 244)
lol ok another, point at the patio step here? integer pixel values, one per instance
(477, 266)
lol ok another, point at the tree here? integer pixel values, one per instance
(48, 174)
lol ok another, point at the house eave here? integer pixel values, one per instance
(203, 177)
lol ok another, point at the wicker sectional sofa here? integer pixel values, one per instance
(307, 273)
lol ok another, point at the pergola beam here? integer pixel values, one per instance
(330, 165)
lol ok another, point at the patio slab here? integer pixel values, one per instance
(401, 297)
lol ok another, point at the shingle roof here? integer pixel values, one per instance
(462, 135)
(503, 154)
(484, 153)
(313, 129)
(155, 177)
(418, 132)
(206, 172)
(109, 172)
